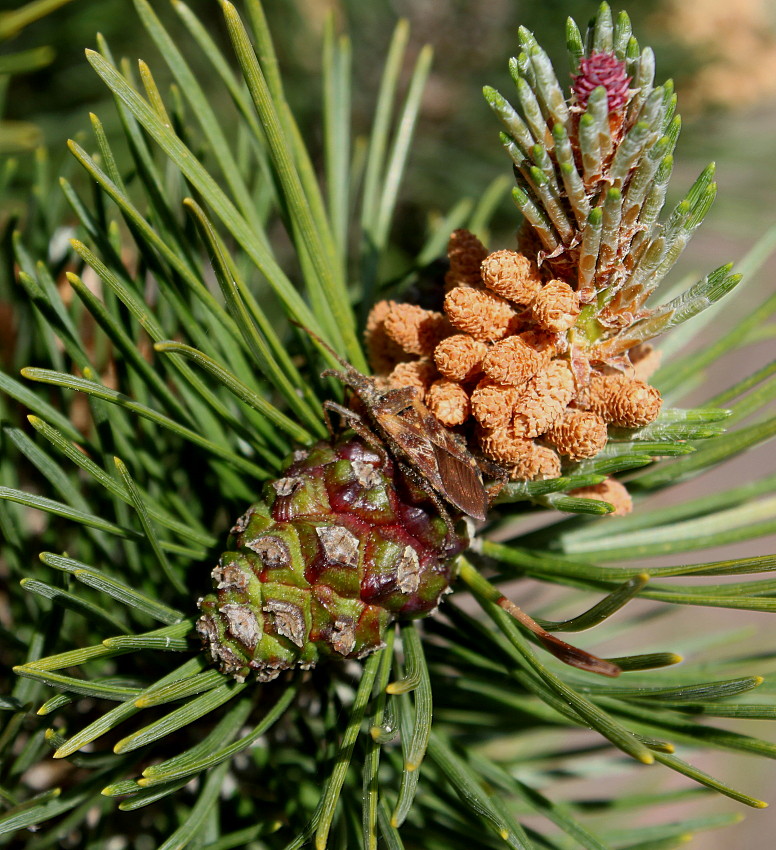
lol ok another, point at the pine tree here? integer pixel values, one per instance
(171, 377)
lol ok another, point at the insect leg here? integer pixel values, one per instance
(355, 422)
(496, 471)
(327, 418)
(421, 482)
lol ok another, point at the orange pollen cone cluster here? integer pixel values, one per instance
(503, 365)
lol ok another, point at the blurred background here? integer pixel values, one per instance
(723, 60)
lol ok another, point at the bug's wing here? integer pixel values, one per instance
(408, 437)
(463, 485)
(418, 437)
(459, 474)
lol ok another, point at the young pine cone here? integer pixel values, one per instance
(337, 549)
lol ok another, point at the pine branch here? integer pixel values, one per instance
(168, 383)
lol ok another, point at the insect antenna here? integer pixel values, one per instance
(327, 349)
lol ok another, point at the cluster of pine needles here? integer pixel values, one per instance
(155, 379)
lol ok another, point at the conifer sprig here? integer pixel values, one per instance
(166, 385)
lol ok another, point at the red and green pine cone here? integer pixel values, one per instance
(339, 547)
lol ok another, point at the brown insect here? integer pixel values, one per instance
(434, 458)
